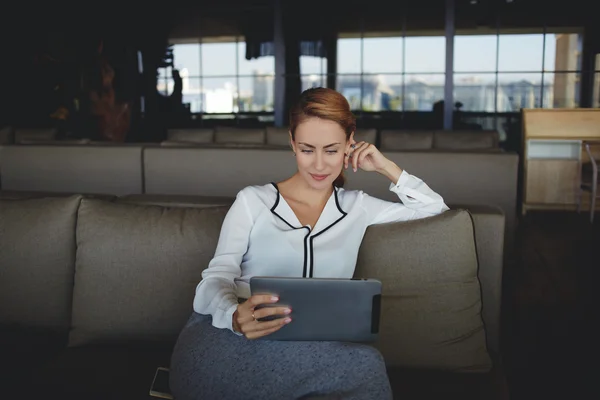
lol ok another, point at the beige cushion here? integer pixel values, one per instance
(22, 135)
(239, 135)
(365, 135)
(169, 200)
(406, 140)
(37, 261)
(278, 136)
(191, 135)
(431, 304)
(137, 269)
(6, 135)
(465, 140)
(115, 170)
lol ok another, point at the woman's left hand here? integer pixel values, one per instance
(365, 156)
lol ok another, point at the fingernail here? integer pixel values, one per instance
(287, 320)
(287, 311)
(274, 298)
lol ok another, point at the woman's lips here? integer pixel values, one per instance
(319, 177)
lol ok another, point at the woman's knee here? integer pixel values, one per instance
(370, 356)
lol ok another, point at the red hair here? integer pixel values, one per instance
(326, 104)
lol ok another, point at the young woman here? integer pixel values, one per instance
(304, 226)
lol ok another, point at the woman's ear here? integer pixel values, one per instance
(349, 142)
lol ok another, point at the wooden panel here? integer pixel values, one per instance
(551, 181)
(562, 123)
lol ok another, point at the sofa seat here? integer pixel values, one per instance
(99, 372)
(24, 353)
(126, 373)
(424, 384)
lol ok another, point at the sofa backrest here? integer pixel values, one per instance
(402, 140)
(213, 172)
(460, 178)
(33, 134)
(6, 135)
(239, 135)
(37, 262)
(466, 140)
(132, 272)
(113, 170)
(191, 135)
(456, 140)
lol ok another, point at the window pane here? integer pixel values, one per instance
(563, 52)
(186, 57)
(164, 73)
(256, 93)
(382, 93)
(218, 59)
(561, 90)
(516, 91)
(382, 55)
(349, 86)
(421, 92)
(164, 86)
(520, 52)
(475, 92)
(311, 81)
(191, 92)
(475, 53)
(260, 66)
(219, 95)
(348, 53)
(313, 65)
(425, 54)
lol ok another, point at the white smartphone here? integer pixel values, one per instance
(160, 384)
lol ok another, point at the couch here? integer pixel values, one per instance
(467, 177)
(95, 289)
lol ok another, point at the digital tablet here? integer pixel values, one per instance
(323, 308)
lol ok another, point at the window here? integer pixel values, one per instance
(507, 72)
(391, 73)
(217, 78)
(313, 71)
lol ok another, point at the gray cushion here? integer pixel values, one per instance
(43, 134)
(191, 135)
(170, 200)
(137, 269)
(6, 135)
(278, 136)
(37, 261)
(239, 135)
(115, 170)
(465, 140)
(431, 305)
(365, 135)
(406, 140)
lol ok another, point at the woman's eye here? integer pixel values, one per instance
(307, 151)
(331, 151)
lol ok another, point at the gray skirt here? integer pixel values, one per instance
(215, 364)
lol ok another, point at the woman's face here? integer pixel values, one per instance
(320, 146)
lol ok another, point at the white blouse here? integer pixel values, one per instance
(261, 236)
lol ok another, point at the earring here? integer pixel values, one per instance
(294, 154)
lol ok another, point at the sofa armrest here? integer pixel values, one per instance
(489, 224)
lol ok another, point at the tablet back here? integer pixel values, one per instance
(325, 309)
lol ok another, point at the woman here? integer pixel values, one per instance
(305, 226)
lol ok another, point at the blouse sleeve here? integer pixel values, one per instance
(216, 292)
(417, 201)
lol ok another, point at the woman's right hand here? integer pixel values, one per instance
(245, 318)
